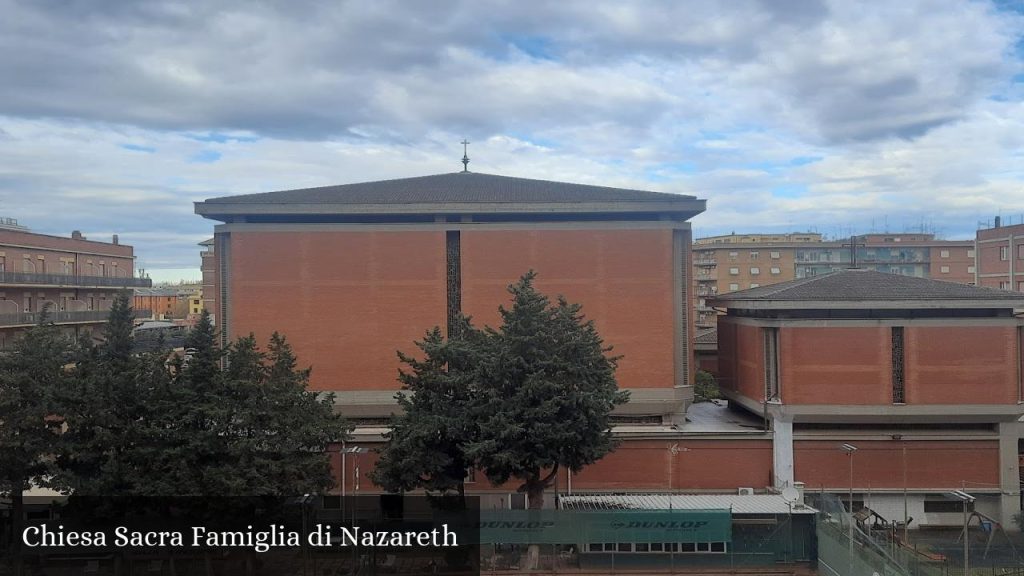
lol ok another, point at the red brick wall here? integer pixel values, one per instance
(880, 464)
(638, 465)
(961, 365)
(741, 358)
(623, 279)
(345, 300)
(835, 365)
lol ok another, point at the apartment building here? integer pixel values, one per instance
(724, 264)
(1000, 256)
(77, 277)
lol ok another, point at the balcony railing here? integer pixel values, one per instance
(29, 278)
(64, 317)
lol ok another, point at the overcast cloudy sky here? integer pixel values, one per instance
(785, 115)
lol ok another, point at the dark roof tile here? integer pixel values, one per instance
(858, 284)
(456, 187)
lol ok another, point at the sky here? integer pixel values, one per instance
(832, 116)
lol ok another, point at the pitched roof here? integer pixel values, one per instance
(870, 287)
(427, 197)
(706, 336)
(455, 187)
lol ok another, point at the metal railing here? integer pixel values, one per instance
(62, 317)
(30, 278)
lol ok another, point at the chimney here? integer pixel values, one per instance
(999, 221)
(77, 235)
(115, 239)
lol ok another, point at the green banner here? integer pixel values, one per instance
(580, 527)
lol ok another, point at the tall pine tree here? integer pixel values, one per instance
(427, 444)
(31, 374)
(547, 390)
(102, 410)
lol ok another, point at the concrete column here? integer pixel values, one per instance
(782, 452)
(1009, 474)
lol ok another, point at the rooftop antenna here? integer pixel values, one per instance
(465, 155)
(853, 245)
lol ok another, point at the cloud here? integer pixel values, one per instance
(781, 113)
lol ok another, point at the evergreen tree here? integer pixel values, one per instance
(101, 408)
(427, 443)
(155, 424)
(547, 390)
(296, 427)
(30, 376)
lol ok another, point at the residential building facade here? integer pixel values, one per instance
(724, 264)
(75, 277)
(1000, 257)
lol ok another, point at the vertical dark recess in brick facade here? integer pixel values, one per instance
(454, 269)
(898, 390)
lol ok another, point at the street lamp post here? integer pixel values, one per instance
(849, 449)
(965, 499)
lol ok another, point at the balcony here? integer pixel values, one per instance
(32, 279)
(8, 320)
(709, 262)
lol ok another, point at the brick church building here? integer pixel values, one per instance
(922, 376)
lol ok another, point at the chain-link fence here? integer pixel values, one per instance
(890, 549)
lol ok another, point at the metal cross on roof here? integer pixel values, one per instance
(465, 156)
(853, 245)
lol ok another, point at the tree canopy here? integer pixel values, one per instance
(520, 401)
(428, 440)
(31, 375)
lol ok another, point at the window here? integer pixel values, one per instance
(1004, 253)
(946, 506)
(755, 285)
(734, 287)
(776, 271)
(734, 271)
(898, 390)
(1020, 252)
(944, 269)
(970, 253)
(774, 255)
(733, 255)
(1020, 286)
(755, 271)
(944, 254)
(754, 254)
(970, 269)
(771, 363)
